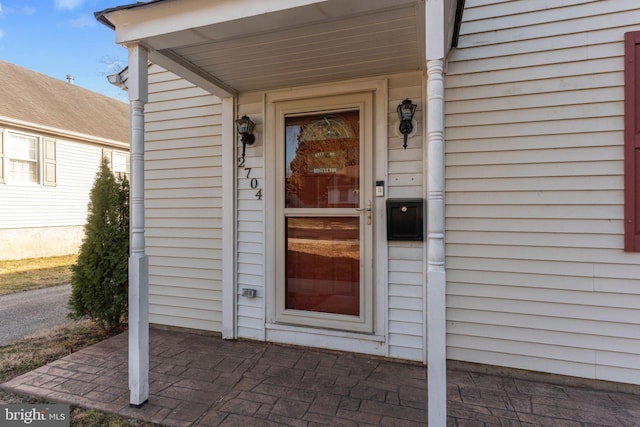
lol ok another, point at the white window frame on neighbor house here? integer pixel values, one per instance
(44, 158)
(119, 161)
(12, 156)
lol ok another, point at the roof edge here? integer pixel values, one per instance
(8, 121)
(101, 17)
(457, 23)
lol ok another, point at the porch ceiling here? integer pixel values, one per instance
(317, 41)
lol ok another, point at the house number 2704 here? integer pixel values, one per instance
(253, 183)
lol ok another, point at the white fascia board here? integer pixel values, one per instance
(62, 133)
(174, 16)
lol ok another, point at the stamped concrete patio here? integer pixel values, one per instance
(198, 380)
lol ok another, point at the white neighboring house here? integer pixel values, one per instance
(52, 137)
(517, 148)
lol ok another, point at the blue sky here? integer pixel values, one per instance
(60, 37)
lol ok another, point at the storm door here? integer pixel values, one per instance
(325, 215)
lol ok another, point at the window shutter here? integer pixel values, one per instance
(50, 164)
(632, 142)
(108, 154)
(1, 157)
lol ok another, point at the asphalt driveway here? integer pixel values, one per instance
(25, 313)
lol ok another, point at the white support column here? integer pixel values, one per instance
(436, 273)
(138, 262)
(436, 278)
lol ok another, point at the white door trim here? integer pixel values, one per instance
(229, 257)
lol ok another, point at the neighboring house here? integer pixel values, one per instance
(52, 137)
(517, 150)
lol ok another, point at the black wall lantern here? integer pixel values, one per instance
(245, 129)
(406, 110)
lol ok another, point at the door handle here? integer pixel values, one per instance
(367, 209)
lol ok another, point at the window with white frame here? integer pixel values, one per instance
(120, 163)
(22, 158)
(27, 159)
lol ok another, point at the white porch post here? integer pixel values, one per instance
(138, 263)
(436, 276)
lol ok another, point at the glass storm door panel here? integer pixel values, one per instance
(322, 246)
(322, 161)
(323, 264)
(322, 220)
(323, 230)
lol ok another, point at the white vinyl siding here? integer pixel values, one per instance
(42, 220)
(1, 157)
(183, 203)
(35, 206)
(406, 278)
(251, 226)
(536, 274)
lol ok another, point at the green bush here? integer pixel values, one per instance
(99, 283)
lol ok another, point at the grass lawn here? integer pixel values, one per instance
(49, 345)
(34, 273)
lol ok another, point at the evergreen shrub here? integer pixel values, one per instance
(99, 282)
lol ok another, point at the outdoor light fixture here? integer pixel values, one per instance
(245, 129)
(117, 80)
(406, 110)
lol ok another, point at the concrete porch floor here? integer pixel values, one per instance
(198, 380)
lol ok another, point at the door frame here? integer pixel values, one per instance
(375, 331)
(363, 103)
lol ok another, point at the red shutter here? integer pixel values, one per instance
(632, 142)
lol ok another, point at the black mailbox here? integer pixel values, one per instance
(405, 219)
